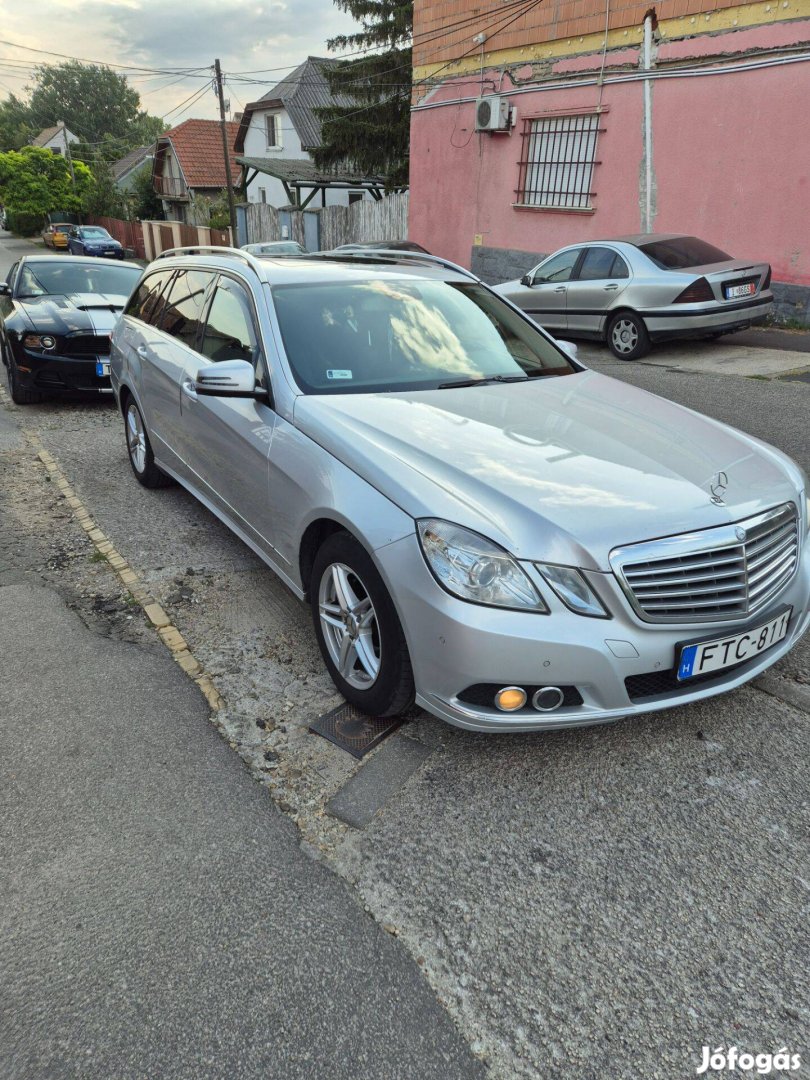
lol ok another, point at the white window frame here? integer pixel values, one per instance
(272, 120)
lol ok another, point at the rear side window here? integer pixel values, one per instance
(229, 332)
(184, 305)
(143, 303)
(601, 263)
(682, 253)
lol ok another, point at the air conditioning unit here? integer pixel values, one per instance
(491, 113)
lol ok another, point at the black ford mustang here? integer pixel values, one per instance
(56, 316)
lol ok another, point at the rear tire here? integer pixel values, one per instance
(20, 395)
(139, 449)
(627, 336)
(358, 629)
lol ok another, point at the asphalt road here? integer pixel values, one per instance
(594, 904)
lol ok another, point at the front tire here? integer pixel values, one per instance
(627, 336)
(20, 395)
(358, 630)
(139, 449)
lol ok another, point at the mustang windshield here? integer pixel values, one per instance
(60, 278)
(387, 335)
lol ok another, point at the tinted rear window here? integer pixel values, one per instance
(682, 252)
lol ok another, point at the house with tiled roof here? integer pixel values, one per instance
(55, 138)
(282, 126)
(189, 168)
(126, 169)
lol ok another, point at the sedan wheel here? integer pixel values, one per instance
(358, 630)
(627, 336)
(349, 625)
(141, 457)
(20, 395)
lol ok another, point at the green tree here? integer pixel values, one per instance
(16, 125)
(35, 182)
(368, 129)
(145, 203)
(94, 102)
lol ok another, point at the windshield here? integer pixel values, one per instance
(388, 335)
(682, 252)
(61, 278)
(97, 232)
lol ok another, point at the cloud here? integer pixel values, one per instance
(276, 34)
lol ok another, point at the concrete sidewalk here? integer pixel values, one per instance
(157, 916)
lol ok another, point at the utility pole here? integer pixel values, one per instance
(61, 124)
(226, 150)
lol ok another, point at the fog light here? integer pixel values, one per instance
(548, 698)
(510, 698)
(47, 341)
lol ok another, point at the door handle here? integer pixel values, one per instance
(142, 351)
(189, 390)
(611, 288)
(560, 288)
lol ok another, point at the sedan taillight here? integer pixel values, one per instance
(695, 293)
(766, 281)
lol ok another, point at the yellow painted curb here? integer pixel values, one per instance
(168, 633)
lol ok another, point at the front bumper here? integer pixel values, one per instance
(454, 645)
(55, 374)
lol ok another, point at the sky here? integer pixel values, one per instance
(171, 35)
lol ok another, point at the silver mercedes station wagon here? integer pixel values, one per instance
(478, 522)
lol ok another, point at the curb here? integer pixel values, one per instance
(167, 631)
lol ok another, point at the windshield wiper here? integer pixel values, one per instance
(483, 381)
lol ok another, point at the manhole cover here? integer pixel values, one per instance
(352, 730)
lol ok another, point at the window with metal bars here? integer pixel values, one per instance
(557, 162)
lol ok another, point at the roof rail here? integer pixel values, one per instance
(196, 249)
(390, 255)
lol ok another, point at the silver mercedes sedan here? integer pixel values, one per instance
(477, 521)
(636, 290)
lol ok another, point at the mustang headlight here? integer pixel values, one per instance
(39, 341)
(475, 569)
(574, 591)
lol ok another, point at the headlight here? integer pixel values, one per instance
(39, 341)
(473, 568)
(574, 591)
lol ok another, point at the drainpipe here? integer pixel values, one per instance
(647, 178)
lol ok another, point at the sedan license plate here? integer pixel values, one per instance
(102, 368)
(734, 291)
(707, 656)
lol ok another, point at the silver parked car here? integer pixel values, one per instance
(477, 521)
(636, 290)
(275, 247)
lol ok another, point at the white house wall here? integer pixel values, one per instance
(290, 150)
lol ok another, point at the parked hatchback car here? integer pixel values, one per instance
(93, 240)
(636, 290)
(56, 236)
(56, 315)
(477, 521)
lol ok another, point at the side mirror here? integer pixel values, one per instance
(230, 378)
(527, 279)
(5, 288)
(568, 347)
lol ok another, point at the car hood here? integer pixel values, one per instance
(57, 315)
(562, 469)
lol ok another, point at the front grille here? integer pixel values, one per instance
(722, 573)
(484, 694)
(653, 683)
(86, 345)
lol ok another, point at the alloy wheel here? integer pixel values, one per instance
(136, 438)
(625, 336)
(349, 624)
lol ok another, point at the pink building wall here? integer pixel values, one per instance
(731, 158)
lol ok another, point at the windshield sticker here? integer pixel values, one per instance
(339, 373)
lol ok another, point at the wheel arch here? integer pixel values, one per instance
(313, 538)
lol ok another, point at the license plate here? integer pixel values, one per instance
(707, 656)
(733, 291)
(102, 368)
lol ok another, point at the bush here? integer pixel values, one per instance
(22, 224)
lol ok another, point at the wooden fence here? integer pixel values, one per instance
(362, 221)
(159, 236)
